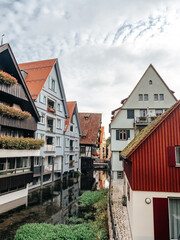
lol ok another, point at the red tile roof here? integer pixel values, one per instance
(71, 106)
(90, 125)
(37, 73)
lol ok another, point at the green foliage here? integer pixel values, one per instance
(11, 112)
(7, 142)
(91, 197)
(77, 174)
(75, 220)
(6, 78)
(108, 141)
(50, 232)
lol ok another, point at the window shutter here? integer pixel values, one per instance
(117, 134)
(128, 133)
(171, 156)
(50, 82)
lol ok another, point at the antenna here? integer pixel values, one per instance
(2, 39)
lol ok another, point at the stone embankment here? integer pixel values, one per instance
(119, 228)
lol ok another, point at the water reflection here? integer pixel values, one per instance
(52, 204)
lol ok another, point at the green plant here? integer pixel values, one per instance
(75, 220)
(6, 78)
(47, 231)
(77, 174)
(90, 197)
(124, 200)
(7, 142)
(13, 113)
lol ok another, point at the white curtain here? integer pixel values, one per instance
(174, 214)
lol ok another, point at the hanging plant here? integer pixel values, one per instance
(7, 142)
(6, 78)
(11, 112)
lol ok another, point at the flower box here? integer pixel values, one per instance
(6, 78)
(11, 112)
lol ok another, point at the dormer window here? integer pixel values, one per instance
(150, 82)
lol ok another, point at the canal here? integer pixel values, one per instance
(53, 204)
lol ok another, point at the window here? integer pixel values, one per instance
(60, 107)
(119, 174)
(59, 123)
(2, 164)
(145, 97)
(42, 117)
(82, 149)
(150, 82)
(40, 136)
(50, 160)
(59, 142)
(155, 97)
(19, 163)
(178, 155)
(161, 97)
(36, 161)
(140, 97)
(158, 112)
(52, 84)
(122, 134)
(42, 98)
(71, 128)
(174, 213)
(143, 112)
(11, 163)
(130, 114)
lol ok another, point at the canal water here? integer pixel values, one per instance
(53, 204)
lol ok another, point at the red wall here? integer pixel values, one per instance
(150, 167)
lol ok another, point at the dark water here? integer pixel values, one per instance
(52, 204)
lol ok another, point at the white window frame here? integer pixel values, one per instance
(59, 123)
(42, 98)
(177, 155)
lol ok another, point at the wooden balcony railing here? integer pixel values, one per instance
(16, 90)
(29, 124)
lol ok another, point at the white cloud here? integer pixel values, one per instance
(103, 47)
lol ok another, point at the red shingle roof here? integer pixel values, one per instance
(37, 73)
(90, 125)
(71, 106)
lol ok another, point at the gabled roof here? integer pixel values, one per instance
(141, 137)
(10, 65)
(37, 73)
(102, 134)
(124, 101)
(90, 125)
(72, 108)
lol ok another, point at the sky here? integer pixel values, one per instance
(103, 46)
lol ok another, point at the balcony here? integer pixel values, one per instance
(51, 110)
(49, 148)
(143, 121)
(16, 90)
(71, 163)
(29, 124)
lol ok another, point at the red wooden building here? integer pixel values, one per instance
(152, 178)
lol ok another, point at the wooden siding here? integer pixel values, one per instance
(150, 164)
(16, 91)
(15, 181)
(28, 124)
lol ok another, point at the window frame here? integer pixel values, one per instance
(146, 95)
(129, 113)
(156, 95)
(122, 134)
(161, 95)
(139, 97)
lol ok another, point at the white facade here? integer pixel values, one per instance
(52, 108)
(72, 160)
(149, 98)
(140, 213)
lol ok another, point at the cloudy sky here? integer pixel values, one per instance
(103, 46)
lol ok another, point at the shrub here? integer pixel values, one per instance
(13, 113)
(91, 197)
(77, 174)
(6, 78)
(7, 142)
(47, 231)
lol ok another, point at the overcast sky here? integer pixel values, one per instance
(103, 46)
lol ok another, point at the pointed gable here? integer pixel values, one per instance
(37, 73)
(8, 64)
(90, 125)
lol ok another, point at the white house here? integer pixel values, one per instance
(44, 82)
(72, 134)
(150, 98)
